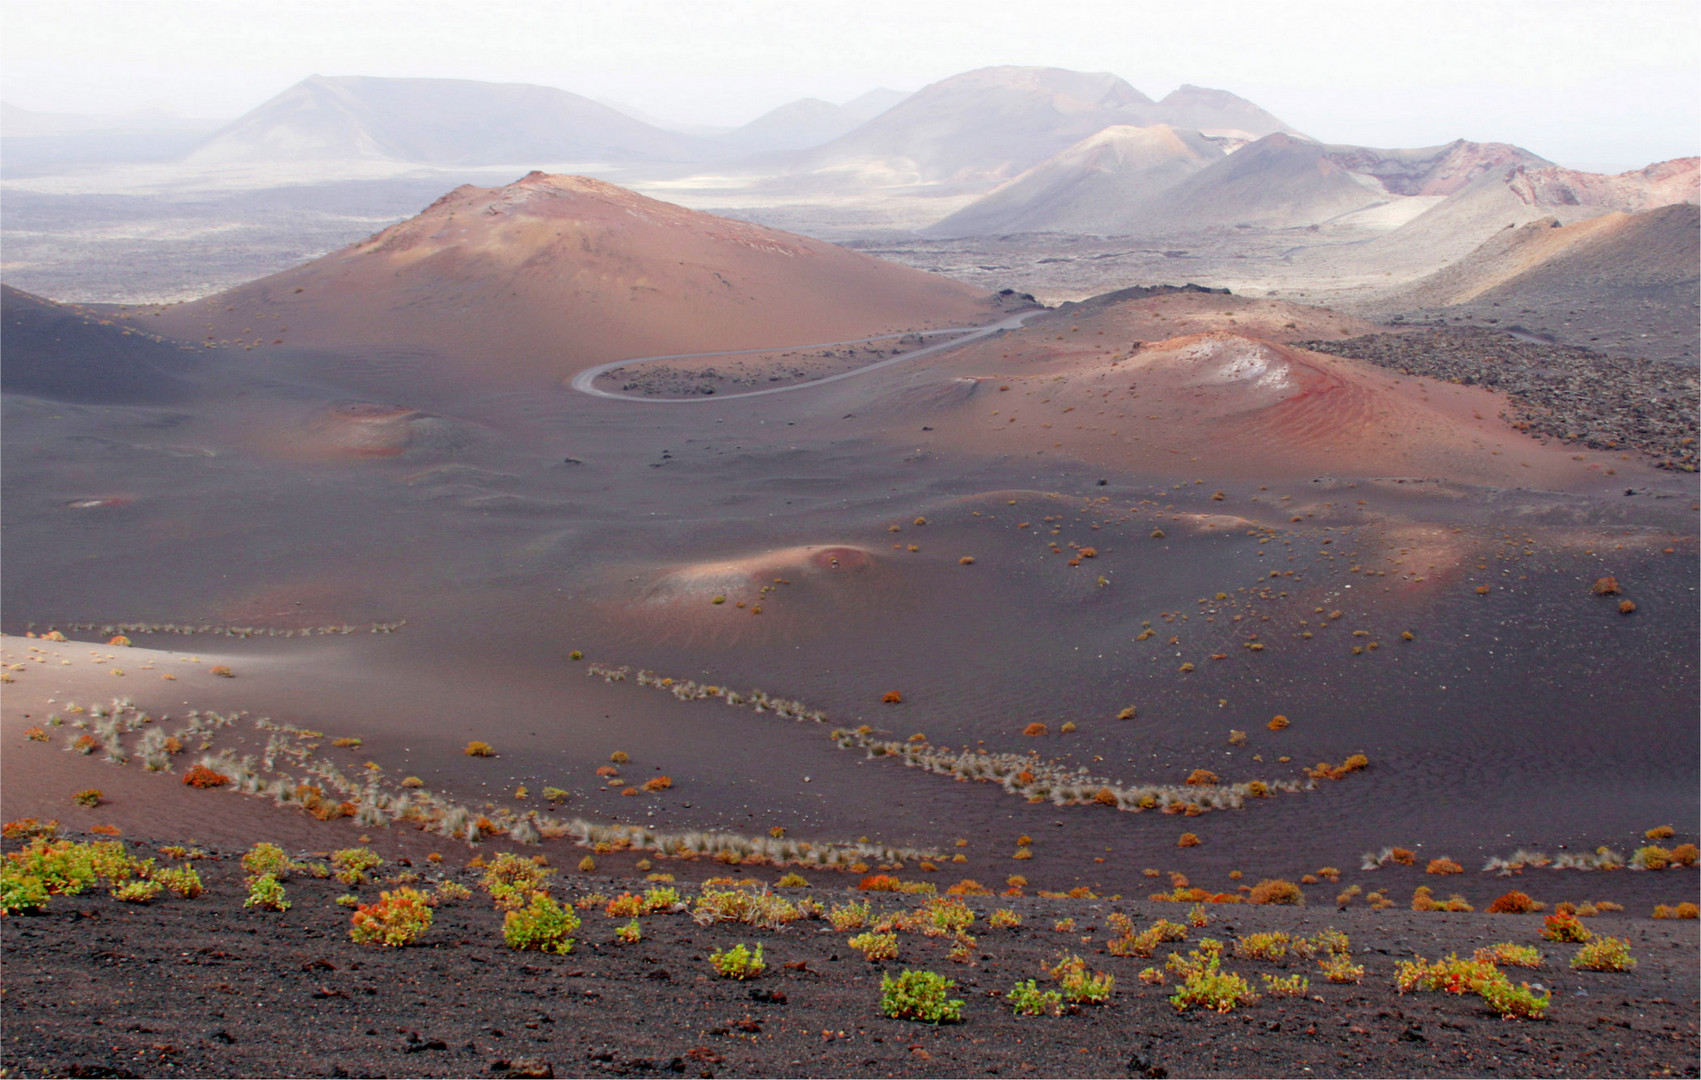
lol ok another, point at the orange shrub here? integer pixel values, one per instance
(479, 749)
(880, 883)
(1513, 903)
(1684, 854)
(968, 887)
(1035, 729)
(202, 777)
(662, 783)
(1276, 892)
(892, 697)
(1278, 722)
(1607, 586)
(1443, 866)
(1202, 778)
(1403, 856)
(1188, 840)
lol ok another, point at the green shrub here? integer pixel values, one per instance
(397, 918)
(138, 892)
(852, 916)
(662, 898)
(1511, 955)
(1271, 948)
(1286, 986)
(946, 917)
(1514, 1001)
(90, 797)
(541, 924)
(629, 934)
(919, 995)
(792, 881)
(183, 881)
(738, 962)
(449, 892)
(1080, 986)
(1146, 941)
(1029, 1000)
(511, 880)
(1474, 976)
(20, 891)
(1339, 968)
(1004, 919)
(265, 891)
(1604, 954)
(265, 859)
(1203, 982)
(875, 946)
(57, 866)
(353, 863)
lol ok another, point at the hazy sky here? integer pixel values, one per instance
(1586, 83)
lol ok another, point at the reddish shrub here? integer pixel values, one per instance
(892, 697)
(879, 883)
(1276, 892)
(1513, 903)
(202, 777)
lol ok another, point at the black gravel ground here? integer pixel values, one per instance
(206, 987)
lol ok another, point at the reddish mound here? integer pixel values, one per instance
(1228, 404)
(552, 274)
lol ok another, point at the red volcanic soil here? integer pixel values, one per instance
(1216, 397)
(552, 274)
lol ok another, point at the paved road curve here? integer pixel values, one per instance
(583, 380)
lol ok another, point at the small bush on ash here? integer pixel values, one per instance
(1509, 954)
(477, 748)
(842, 917)
(1443, 866)
(199, 776)
(1029, 1000)
(1513, 903)
(1564, 926)
(541, 924)
(875, 946)
(265, 891)
(397, 918)
(353, 863)
(1276, 892)
(1204, 985)
(919, 995)
(138, 891)
(1079, 985)
(1604, 954)
(738, 962)
(89, 797)
(184, 881)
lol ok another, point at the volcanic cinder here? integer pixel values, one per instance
(1034, 596)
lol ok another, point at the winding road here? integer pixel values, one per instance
(582, 382)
